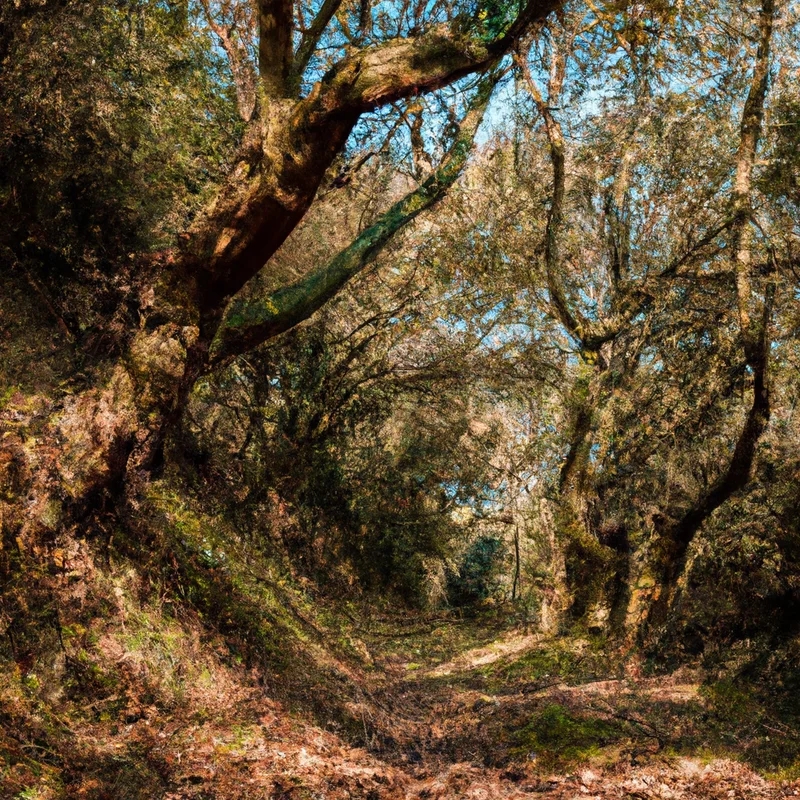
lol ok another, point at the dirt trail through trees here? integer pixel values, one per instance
(462, 710)
(494, 721)
(434, 736)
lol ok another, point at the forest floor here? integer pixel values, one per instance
(465, 710)
(441, 708)
(515, 714)
(461, 709)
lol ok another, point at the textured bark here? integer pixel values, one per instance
(587, 394)
(275, 181)
(112, 435)
(582, 409)
(275, 51)
(103, 437)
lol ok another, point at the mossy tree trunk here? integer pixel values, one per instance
(589, 555)
(111, 437)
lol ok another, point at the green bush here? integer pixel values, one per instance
(476, 579)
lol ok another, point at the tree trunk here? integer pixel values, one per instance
(57, 462)
(106, 436)
(114, 434)
(668, 561)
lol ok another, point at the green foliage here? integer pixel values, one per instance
(117, 121)
(476, 579)
(372, 465)
(492, 18)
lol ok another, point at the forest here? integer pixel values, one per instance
(398, 399)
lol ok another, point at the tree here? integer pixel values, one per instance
(188, 314)
(754, 303)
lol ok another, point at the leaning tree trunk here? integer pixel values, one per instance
(112, 435)
(658, 593)
(56, 463)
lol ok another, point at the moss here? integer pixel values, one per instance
(556, 737)
(6, 395)
(265, 618)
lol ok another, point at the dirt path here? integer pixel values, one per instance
(474, 718)
(455, 715)
(524, 716)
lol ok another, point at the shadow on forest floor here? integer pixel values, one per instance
(144, 698)
(570, 710)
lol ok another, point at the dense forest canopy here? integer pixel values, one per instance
(457, 310)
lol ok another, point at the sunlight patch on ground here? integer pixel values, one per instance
(481, 656)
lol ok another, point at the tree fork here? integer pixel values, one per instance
(267, 197)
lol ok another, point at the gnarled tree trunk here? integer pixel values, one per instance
(658, 592)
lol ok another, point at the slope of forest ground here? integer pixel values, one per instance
(225, 676)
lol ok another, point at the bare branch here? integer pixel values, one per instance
(310, 41)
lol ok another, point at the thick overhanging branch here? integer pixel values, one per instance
(250, 321)
(261, 207)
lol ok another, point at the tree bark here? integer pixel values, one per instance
(115, 433)
(111, 436)
(582, 542)
(275, 51)
(249, 320)
(292, 146)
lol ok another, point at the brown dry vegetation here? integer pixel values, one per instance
(136, 693)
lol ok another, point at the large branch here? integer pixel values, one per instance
(589, 334)
(573, 321)
(275, 26)
(264, 202)
(250, 321)
(628, 300)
